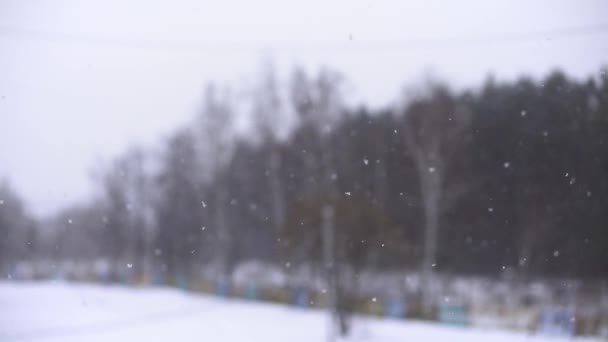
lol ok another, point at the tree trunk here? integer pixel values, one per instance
(431, 194)
(222, 234)
(278, 208)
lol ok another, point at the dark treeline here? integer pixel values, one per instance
(511, 177)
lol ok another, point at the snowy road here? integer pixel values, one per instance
(67, 312)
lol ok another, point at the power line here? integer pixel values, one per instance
(350, 45)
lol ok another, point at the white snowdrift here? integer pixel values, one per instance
(75, 312)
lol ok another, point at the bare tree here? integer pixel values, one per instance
(127, 210)
(215, 148)
(15, 225)
(434, 129)
(178, 208)
(139, 208)
(269, 113)
(116, 218)
(318, 104)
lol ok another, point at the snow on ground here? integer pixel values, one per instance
(55, 311)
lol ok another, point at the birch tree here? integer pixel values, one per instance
(215, 142)
(269, 113)
(434, 129)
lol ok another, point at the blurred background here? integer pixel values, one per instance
(381, 170)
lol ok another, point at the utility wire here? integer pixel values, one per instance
(347, 45)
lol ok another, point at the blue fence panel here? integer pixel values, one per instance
(300, 297)
(182, 282)
(222, 288)
(456, 314)
(58, 275)
(251, 292)
(158, 278)
(395, 307)
(126, 278)
(557, 322)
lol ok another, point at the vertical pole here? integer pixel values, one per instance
(431, 189)
(327, 227)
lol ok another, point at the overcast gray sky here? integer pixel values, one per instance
(82, 80)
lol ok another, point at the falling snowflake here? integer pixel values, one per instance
(203, 204)
(347, 193)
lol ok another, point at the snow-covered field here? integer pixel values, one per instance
(48, 311)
